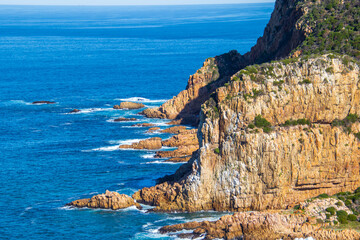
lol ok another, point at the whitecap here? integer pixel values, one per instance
(104, 149)
(148, 156)
(140, 99)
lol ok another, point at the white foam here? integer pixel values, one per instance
(148, 156)
(91, 110)
(104, 149)
(140, 99)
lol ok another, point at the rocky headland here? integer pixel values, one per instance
(276, 126)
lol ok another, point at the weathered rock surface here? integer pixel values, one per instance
(109, 200)
(238, 168)
(43, 102)
(124, 119)
(129, 105)
(151, 143)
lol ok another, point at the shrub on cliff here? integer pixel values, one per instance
(261, 122)
(342, 216)
(352, 217)
(331, 210)
(335, 27)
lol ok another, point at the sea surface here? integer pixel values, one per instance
(91, 58)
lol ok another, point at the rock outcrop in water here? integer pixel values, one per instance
(109, 200)
(43, 102)
(129, 105)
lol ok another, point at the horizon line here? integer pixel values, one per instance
(105, 5)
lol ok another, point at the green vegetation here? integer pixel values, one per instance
(352, 217)
(255, 93)
(217, 150)
(291, 122)
(342, 216)
(331, 210)
(305, 81)
(335, 25)
(346, 123)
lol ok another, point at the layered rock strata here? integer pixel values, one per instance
(248, 168)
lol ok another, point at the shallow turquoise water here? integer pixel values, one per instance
(90, 58)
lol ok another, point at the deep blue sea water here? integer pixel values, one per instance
(90, 58)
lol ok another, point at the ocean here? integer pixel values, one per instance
(91, 58)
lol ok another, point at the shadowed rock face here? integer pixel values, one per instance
(282, 34)
(240, 168)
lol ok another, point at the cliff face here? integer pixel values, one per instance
(283, 33)
(252, 162)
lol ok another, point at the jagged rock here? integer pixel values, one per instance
(129, 105)
(109, 200)
(43, 102)
(151, 143)
(182, 151)
(154, 129)
(75, 111)
(143, 125)
(124, 119)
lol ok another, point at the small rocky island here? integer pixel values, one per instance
(278, 138)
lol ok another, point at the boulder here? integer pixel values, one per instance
(43, 102)
(124, 119)
(182, 151)
(109, 200)
(129, 105)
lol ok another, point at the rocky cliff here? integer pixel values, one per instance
(275, 135)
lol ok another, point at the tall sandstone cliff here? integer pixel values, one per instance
(242, 167)
(270, 135)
